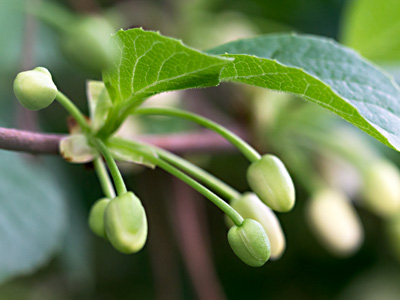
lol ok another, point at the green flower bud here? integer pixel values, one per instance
(271, 182)
(35, 89)
(381, 188)
(250, 243)
(126, 223)
(249, 206)
(87, 43)
(335, 222)
(96, 217)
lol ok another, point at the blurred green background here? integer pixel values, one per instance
(187, 255)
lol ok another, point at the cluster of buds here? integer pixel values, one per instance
(121, 220)
(255, 233)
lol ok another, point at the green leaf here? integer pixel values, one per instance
(149, 63)
(32, 215)
(373, 28)
(323, 72)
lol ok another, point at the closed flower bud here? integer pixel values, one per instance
(381, 191)
(126, 223)
(249, 206)
(87, 43)
(335, 222)
(96, 217)
(271, 182)
(250, 243)
(35, 89)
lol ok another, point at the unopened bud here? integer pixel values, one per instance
(335, 222)
(126, 223)
(381, 191)
(96, 217)
(250, 243)
(249, 206)
(35, 89)
(271, 182)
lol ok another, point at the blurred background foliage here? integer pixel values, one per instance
(187, 255)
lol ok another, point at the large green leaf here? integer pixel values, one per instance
(321, 71)
(32, 215)
(149, 63)
(373, 28)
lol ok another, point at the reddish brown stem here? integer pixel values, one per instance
(43, 143)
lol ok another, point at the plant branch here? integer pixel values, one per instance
(44, 143)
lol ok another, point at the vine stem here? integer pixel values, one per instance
(74, 111)
(225, 207)
(45, 143)
(115, 173)
(249, 152)
(102, 174)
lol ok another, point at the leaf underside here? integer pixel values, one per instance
(375, 35)
(323, 72)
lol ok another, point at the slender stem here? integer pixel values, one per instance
(102, 174)
(73, 110)
(213, 182)
(248, 151)
(198, 173)
(225, 207)
(115, 173)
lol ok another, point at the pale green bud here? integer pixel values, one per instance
(335, 222)
(249, 206)
(96, 217)
(250, 243)
(35, 89)
(271, 182)
(126, 223)
(381, 190)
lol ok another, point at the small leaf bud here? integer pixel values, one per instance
(35, 89)
(250, 243)
(271, 182)
(126, 223)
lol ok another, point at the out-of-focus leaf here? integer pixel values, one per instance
(323, 72)
(32, 216)
(373, 28)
